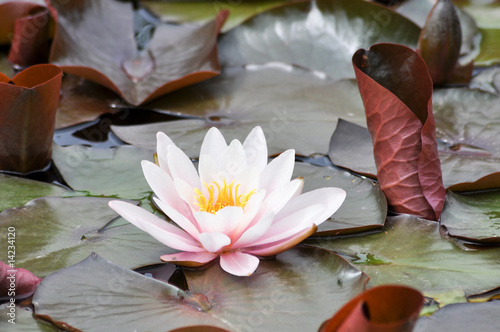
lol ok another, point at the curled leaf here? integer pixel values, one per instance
(397, 94)
(388, 308)
(16, 283)
(28, 105)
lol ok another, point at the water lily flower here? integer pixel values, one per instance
(236, 206)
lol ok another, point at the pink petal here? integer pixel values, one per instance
(256, 148)
(232, 218)
(190, 259)
(182, 167)
(331, 198)
(238, 263)
(291, 225)
(213, 144)
(275, 248)
(159, 229)
(255, 232)
(162, 144)
(208, 222)
(189, 225)
(164, 187)
(214, 242)
(278, 172)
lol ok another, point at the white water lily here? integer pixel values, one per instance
(236, 206)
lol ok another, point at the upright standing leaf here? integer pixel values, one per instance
(397, 93)
(28, 105)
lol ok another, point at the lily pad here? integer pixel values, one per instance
(289, 293)
(24, 321)
(204, 11)
(364, 208)
(473, 217)
(89, 44)
(114, 172)
(300, 114)
(16, 191)
(53, 233)
(413, 253)
(321, 36)
(462, 317)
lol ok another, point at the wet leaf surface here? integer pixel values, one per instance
(473, 217)
(333, 29)
(274, 297)
(104, 50)
(16, 191)
(114, 172)
(53, 233)
(412, 252)
(24, 321)
(364, 209)
(301, 113)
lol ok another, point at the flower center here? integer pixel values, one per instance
(221, 196)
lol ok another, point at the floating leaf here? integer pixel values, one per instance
(397, 92)
(16, 191)
(333, 29)
(299, 114)
(27, 116)
(462, 317)
(104, 50)
(473, 217)
(288, 292)
(112, 172)
(57, 232)
(364, 208)
(412, 252)
(24, 320)
(389, 308)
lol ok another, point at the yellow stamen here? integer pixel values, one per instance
(221, 196)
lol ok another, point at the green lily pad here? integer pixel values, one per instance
(364, 209)
(204, 11)
(437, 299)
(53, 233)
(462, 317)
(473, 217)
(297, 291)
(114, 172)
(24, 321)
(321, 36)
(300, 114)
(410, 251)
(16, 191)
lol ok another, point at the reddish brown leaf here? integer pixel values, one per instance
(440, 41)
(27, 116)
(397, 94)
(10, 11)
(388, 308)
(88, 44)
(16, 283)
(30, 40)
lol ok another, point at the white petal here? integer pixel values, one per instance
(213, 242)
(186, 192)
(164, 187)
(213, 144)
(233, 161)
(256, 148)
(278, 172)
(281, 196)
(330, 198)
(254, 232)
(162, 144)
(209, 170)
(254, 204)
(160, 229)
(277, 247)
(208, 222)
(232, 218)
(238, 263)
(182, 167)
(187, 224)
